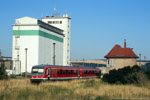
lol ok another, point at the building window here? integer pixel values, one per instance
(111, 63)
(54, 22)
(49, 22)
(57, 22)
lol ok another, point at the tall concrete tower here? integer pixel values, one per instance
(63, 23)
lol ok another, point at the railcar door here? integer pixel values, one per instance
(52, 73)
(48, 73)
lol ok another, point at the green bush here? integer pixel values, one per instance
(126, 75)
(148, 74)
(3, 74)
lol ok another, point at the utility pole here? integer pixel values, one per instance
(26, 49)
(145, 62)
(140, 60)
(54, 53)
(83, 62)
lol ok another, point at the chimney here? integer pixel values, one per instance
(124, 43)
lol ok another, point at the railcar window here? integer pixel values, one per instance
(64, 72)
(57, 72)
(76, 72)
(89, 72)
(72, 72)
(84, 71)
(38, 71)
(60, 72)
(69, 72)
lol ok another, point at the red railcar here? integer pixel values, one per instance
(50, 72)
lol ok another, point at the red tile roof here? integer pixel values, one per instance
(118, 52)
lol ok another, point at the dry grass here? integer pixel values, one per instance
(91, 89)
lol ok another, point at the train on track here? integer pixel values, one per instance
(50, 72)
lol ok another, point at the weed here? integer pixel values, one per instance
(89, 89)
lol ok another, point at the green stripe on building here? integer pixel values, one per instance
(37, 32)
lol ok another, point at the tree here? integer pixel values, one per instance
(3, 73)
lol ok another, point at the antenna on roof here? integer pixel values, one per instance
(54, 11)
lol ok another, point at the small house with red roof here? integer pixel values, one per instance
(119, 57)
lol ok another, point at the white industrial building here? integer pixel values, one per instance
(45, 41)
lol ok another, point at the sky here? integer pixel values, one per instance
(96, 25)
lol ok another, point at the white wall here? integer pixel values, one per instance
(30, 42)
(40, 49)
(46, 49)
(66, 27)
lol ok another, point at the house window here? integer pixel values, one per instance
(111, 63)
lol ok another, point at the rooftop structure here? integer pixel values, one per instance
(120, 57)
(118, 52)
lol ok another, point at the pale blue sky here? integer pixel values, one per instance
(97, 25)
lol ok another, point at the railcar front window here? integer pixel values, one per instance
(38, 71)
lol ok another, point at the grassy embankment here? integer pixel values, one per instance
(91, 89)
